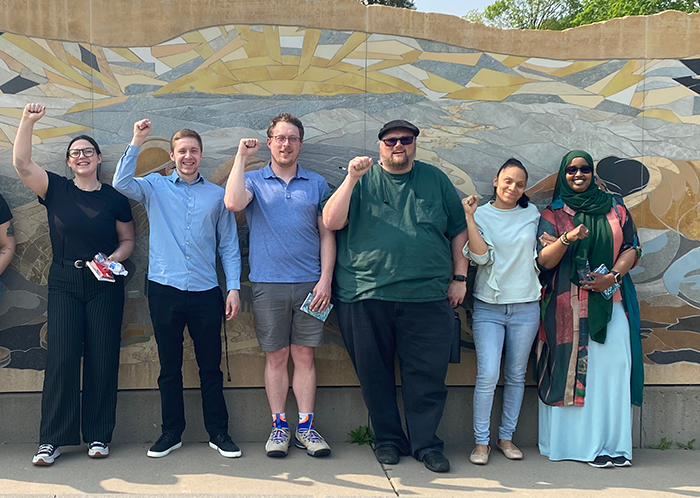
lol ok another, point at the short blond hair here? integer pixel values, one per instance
(185, 132)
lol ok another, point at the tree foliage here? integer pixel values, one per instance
(406, 4)
(562, 14)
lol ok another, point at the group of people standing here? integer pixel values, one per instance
(390, 246)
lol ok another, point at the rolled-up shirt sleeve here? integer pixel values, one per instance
(229, 250)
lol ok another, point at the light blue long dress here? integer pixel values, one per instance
(603, 425)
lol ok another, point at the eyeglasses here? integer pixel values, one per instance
(280, 139)
(585, 169)
(390, 142)
(87, 152)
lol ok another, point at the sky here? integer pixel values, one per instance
(454, 7)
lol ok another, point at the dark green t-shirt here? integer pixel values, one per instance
(396, 245)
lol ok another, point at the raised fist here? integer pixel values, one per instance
(248, 146)
(33, 112)
(359, 166)
(470, 204)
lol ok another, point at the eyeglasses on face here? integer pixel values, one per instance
(585, 169)
(87, 152)
(281, 139)
(390, 142)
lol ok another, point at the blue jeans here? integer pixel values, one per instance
(494, 325)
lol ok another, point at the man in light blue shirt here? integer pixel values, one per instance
(291, 256)
(187, 219)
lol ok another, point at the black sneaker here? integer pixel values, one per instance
(602, 462)
(166, 443)
(225, 445)
(621, 462)
(46, 455)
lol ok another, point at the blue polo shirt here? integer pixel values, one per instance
(283, 219)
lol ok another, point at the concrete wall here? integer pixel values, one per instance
(624, 90)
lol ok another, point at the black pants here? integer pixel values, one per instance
(202, 312)
(84, 319)
(421, 334)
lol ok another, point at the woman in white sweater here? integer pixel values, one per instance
(502, 243)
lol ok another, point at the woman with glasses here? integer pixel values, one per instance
(589, 356)
(502, 242)
(85, 217)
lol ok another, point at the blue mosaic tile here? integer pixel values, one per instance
(617, 108)
(457, 73)
(689, 82)
(692, 64)
(17, 85)
(138, 88)
(488, 62)
(587, 77)
(89, 58)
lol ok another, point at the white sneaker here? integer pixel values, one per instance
(97, 449)
(46, 455)
(311, 441)
(278, 444)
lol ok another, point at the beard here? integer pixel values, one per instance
(398, 163)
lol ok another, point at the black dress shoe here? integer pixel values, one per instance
(436, 461)
(387, 454)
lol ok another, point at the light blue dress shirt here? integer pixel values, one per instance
(186, 222)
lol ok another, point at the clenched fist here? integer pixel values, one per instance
(247, 147)
(33, 112)
(359, 166)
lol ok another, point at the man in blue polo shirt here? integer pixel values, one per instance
(291, 255)
(187, 218)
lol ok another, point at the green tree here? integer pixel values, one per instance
(602, 10)
(406, 4)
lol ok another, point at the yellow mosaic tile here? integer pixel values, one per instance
(225, 90)
(256, 46)
(439, 84)
(552, 88)
(251, 89)
(252, 62)
(160, 51)
(272, 40)
(283, 87)
(493, 94)
(236, 55)
(203, 48)
(61, 80)
(407, 58)
(221, 69)
(663, 114)
(491, 78)
(395, 82)
(11, 112)
(51, 90)
(328, 89)
(349, 46)
(227, 49)
(185, 81)
(251, 74)
(637, 99)
(111, 86)
(127, 54)
(57, 49)
(102, 63)
(463, 59)
(177, 60)
(589, 101)
(664, 96)
(211, 33)
(319, 62)
(214, 82)
(511, 61)
(84, 106)
(690, 119)
(623, 79)
(308, 48)
(290, 30)
(316, 74)
(362, 55)
(283, 72)
(290, 60)
(129, 71)
(10, 132)
(59, 131)
(575, 68)
(13, 64)
(598, 86)
(393, 47)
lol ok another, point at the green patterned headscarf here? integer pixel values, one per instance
(591, 207)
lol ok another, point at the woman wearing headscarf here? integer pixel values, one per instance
(589, 357)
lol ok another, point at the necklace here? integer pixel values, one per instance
(99, 187)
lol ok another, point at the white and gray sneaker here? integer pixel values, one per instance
(310, 440)
(96, 449)
(277, 445)
(46, 455)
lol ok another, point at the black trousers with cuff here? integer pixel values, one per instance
(84, 320)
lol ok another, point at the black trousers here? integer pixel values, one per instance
(421, 334)
(84, 320)
(202, 312)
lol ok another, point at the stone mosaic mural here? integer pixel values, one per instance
(639, 118)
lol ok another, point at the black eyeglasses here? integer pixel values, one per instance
(390, 142)
(87, 152)
(585, 169)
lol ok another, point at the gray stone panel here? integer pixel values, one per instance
(587, 77)
(290, 51)
(534, 98)
(617, 108)
(181, 70)
(332, 37)
(673, 72)
(431, 46)
(656, 85)
(138, 88)
(146, 66)
(458, 73)
(488, 62)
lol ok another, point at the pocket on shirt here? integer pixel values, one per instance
(430, 212)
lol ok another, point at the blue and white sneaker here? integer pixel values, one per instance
(308, 438)
(277, 445)
(46, 455)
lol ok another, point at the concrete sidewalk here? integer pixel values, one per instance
(350, 471)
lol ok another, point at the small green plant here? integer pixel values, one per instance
(687, 446)
(361, 435)
(663, 445)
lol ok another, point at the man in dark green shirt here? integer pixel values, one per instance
(400, 232)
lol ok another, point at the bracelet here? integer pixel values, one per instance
(564, 239)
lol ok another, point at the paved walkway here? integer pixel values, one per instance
(350, 471)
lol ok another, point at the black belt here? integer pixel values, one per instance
(75, 263)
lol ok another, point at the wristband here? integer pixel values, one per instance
(564, 239)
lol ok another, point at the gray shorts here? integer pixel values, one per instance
(279, 320)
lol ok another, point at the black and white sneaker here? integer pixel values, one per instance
(46, 455)
(96, 449)
(602, 462)
(225, 445)
(621, 461)
(166, 443)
